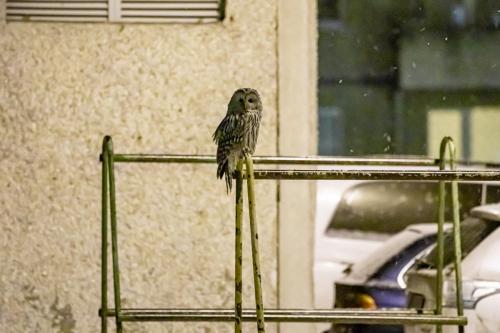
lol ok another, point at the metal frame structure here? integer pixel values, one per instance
(410, 316)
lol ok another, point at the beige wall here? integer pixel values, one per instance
(154, 88)
(297, 137)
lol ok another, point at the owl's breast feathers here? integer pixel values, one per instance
(235, 134)
(238, 130)
(251, 130)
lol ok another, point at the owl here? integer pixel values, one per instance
(236, 135)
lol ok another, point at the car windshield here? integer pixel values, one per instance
(473, 231)
(388, 207)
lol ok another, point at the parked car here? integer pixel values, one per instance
(377, 281)
(354, 218)
(480, 273)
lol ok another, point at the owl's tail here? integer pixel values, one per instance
(226, 169)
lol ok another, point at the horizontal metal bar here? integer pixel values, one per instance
(488, 175)
(204, 311)
(309, 160)
(272, 315)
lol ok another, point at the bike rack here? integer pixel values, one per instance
(410, 316)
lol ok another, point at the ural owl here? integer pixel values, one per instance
(236, 135)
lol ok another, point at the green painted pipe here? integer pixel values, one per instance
(448, 144)
(255, 245)
(238, 252)
(339, 316)
(104, 237)
(114, 237)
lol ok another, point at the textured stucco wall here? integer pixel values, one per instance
(154, 88)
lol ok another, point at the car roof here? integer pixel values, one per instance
(489, 212)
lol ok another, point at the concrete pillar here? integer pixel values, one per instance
(297, 136)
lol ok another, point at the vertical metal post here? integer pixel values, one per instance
(255, 245)
(440, 235)
(238, 250)
(447, 142)
(114, 237)
(457, 239)
(104, 235)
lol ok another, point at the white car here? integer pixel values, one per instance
(354, 218)
(333, 254)
(480, 275)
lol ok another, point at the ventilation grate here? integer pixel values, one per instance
(49, 10)
(170, 11)
(140, 11)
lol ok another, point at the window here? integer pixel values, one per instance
(467, 126)
(119, 11)
(387, 73)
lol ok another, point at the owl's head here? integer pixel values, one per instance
(245, 100)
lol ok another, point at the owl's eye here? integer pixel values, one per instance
(250, 100)
(241, 100)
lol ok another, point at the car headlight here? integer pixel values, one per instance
(472, 292)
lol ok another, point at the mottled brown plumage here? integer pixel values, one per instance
(237, 133)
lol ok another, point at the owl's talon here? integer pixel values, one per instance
(246, 152)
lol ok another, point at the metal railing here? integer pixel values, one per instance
(409, 316)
